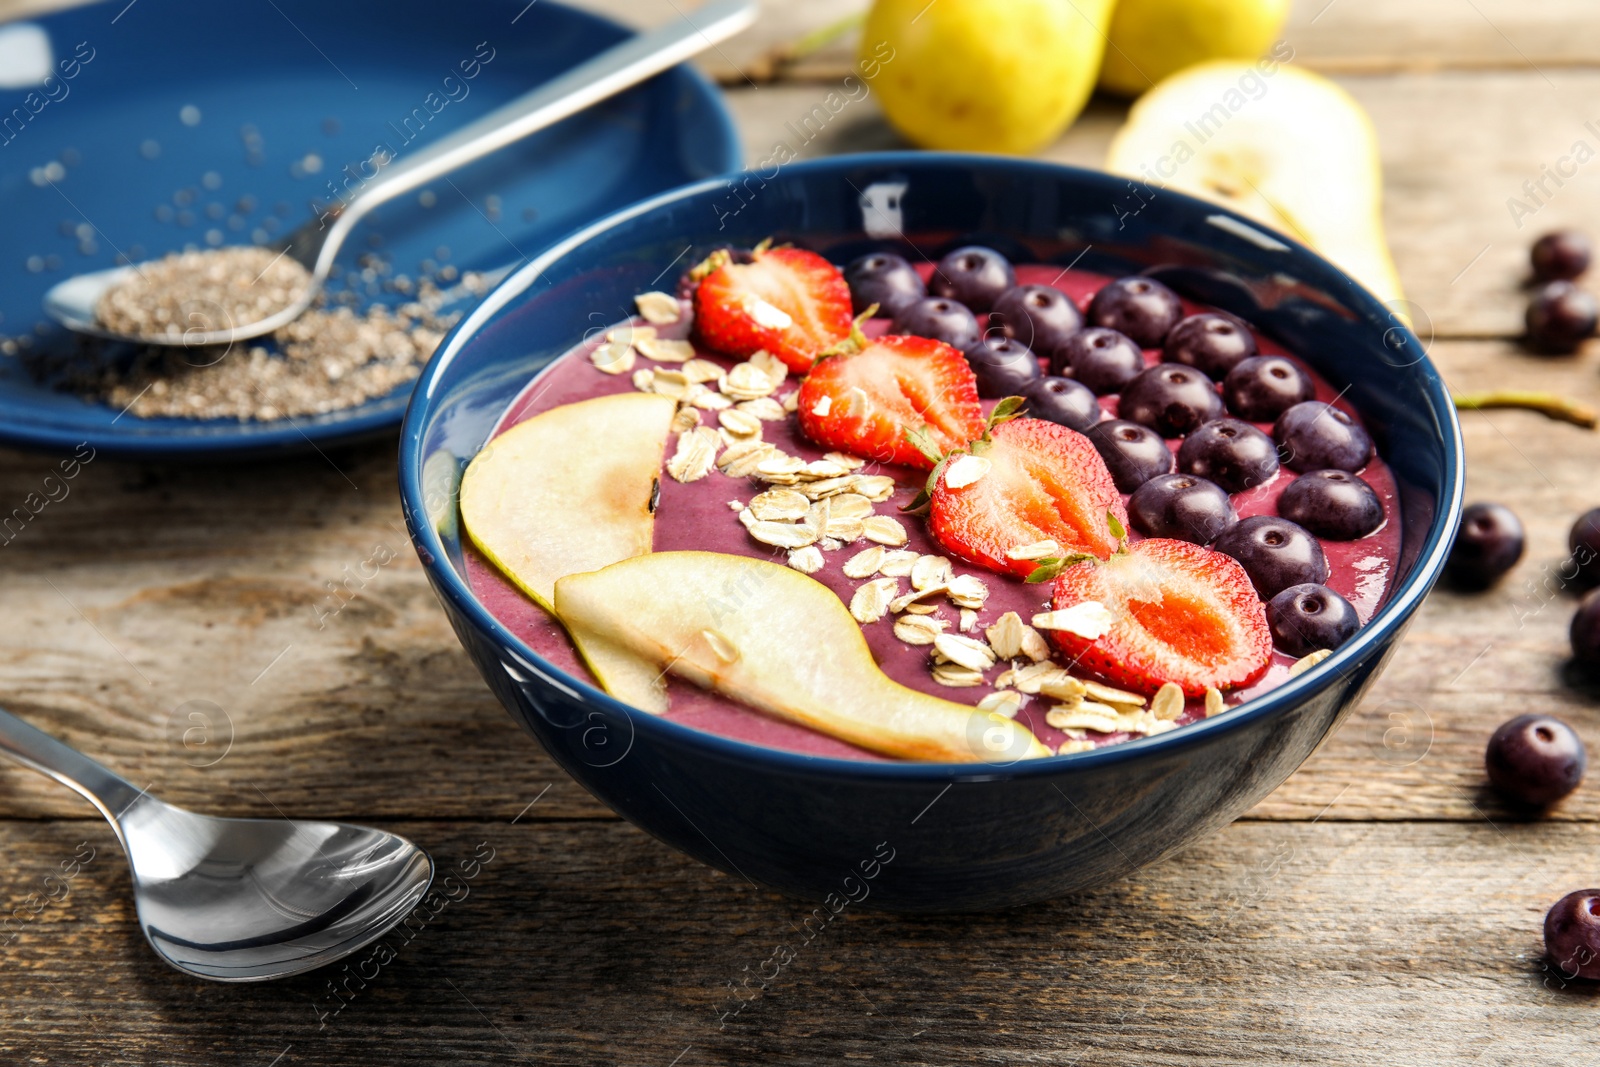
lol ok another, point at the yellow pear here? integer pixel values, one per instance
(1277, 143)
(775, 640)
(570, 490)
(1152, 39)
(984, 75)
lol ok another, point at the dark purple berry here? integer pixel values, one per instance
(1584, 543)
(1560, 256)
(1142, 308)
(1002, 366)
(1275, 553)
(1560, 316)
(1488, 544)
(1062, 401)
(1104, 360)
(1308, 617)
(1232, 453)
(1585, 632)
(976, 276)
(1317, 436)
(1572, 934)
(1134, 454)
(1214, 343)
(1535, 760)
(1171, 399)
(1263, 387)
(1332, 504)
(939, 318)
(1182, 506)
(885, 279)
(1040, 316)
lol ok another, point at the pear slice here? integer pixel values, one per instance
(778, 641)
(569, 490)
(1288, 148)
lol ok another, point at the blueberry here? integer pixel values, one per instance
(1234, 454)
(1332, 504)
(1134, 454)
(939, 318)
(885, 279)
(1275, 553)
(1535, 760)
(1142, 308)
(974, 275)
(1307, 617)
(1585, 632)
(1040, 316)
(1560, 316)
(1584, 543)
(1572, 934)
(1263, 387)
(1171, 399)
(1214, 343)
(1182, 506)
(1317, 436)
(1062, 401)
(1002, 366)
(1562, 255)
(1488, 544)
(1102, 359)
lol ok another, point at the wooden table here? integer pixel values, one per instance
(1381, 907)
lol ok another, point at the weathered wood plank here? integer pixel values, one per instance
(592, 943)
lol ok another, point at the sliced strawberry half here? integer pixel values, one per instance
(790, 302)
(1179, 613)
(1042, 483)
(865, 402)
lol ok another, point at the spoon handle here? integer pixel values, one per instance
(34, 748)
(617, 68)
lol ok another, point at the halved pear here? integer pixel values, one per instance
(570, 490)
(778, 641)
(1286, 147)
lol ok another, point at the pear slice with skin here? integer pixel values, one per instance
(570, 490)
(1274, 142)
(778, 641)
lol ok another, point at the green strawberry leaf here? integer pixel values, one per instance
(1117, 529)
(712, 263)
(923, 442)
(1051, 567)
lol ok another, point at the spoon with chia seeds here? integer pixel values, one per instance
(229, 294)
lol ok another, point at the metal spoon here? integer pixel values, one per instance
(314, 245)
(240, 900)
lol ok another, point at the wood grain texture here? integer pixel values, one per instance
(590, 943)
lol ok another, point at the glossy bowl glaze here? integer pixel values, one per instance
(932, 837)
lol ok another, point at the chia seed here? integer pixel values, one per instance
(213, 290)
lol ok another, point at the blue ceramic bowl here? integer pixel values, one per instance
(932, 837)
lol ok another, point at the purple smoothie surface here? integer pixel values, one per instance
(697, 516)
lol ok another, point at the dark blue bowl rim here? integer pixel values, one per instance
(368, 419)
(1384, 626)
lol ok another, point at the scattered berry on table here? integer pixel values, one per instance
(1561, 316)
(1560, 255)
(1535, 760)
(1584, 543)
(1572, 934)
(1488, 544)
(1585, 632)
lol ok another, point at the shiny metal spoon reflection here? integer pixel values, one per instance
(240, 900)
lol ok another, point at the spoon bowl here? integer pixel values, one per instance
(240, 900)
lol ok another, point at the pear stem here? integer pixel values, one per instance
(1547, 404)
